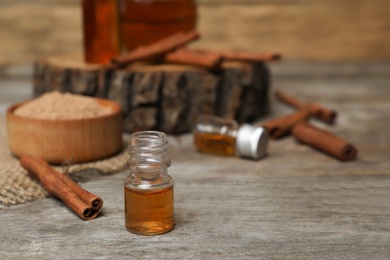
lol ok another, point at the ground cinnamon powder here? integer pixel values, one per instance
(55, 105)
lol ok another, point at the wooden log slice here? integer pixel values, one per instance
(163, 97)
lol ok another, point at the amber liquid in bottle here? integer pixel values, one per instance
(100, 27)
(149, 212)
(216, 144)
(143, 22)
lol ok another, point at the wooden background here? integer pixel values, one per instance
(319, 30)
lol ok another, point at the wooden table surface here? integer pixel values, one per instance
(296, 203)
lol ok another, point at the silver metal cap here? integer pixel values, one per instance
(252, 141)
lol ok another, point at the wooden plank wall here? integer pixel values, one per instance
(324, 30)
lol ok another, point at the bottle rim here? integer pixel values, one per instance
(147, 140)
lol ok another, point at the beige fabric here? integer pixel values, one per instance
(17, 187)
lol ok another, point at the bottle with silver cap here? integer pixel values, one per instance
(225, 137)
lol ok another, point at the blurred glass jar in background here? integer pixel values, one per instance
(143, 22)
(100, 30)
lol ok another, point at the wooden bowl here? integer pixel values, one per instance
(74, 140)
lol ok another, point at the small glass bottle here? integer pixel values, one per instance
(224, 137)
(100, 30)
(149, 188)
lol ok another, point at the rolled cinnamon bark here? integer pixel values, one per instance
(194, 57)
(94, 202)
(247, 56)
(154, 50)
(317, 111)
(289, 100)
(324, 141)
(83, 203)
(233, 55)
(282, 126)
(322, 113)
(90, 199)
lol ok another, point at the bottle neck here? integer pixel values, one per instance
(149, 161)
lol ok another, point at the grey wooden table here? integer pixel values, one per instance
(296, 203)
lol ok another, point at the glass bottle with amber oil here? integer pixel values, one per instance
(149, 188)
(100, 30)
(225, 137)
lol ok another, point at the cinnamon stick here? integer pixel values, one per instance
(248, 56)
(324, 141)
(82, 202)
(282, 126)
(200, 58)
(316, 110)
(322, 113)
(154, 50)
(289, 100)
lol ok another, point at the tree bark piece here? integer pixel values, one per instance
(163, 97)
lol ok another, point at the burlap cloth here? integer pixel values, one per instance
(17, 187)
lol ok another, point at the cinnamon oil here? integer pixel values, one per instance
(143, 22)
(100, 27)
(216, 144)
(149, 212)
